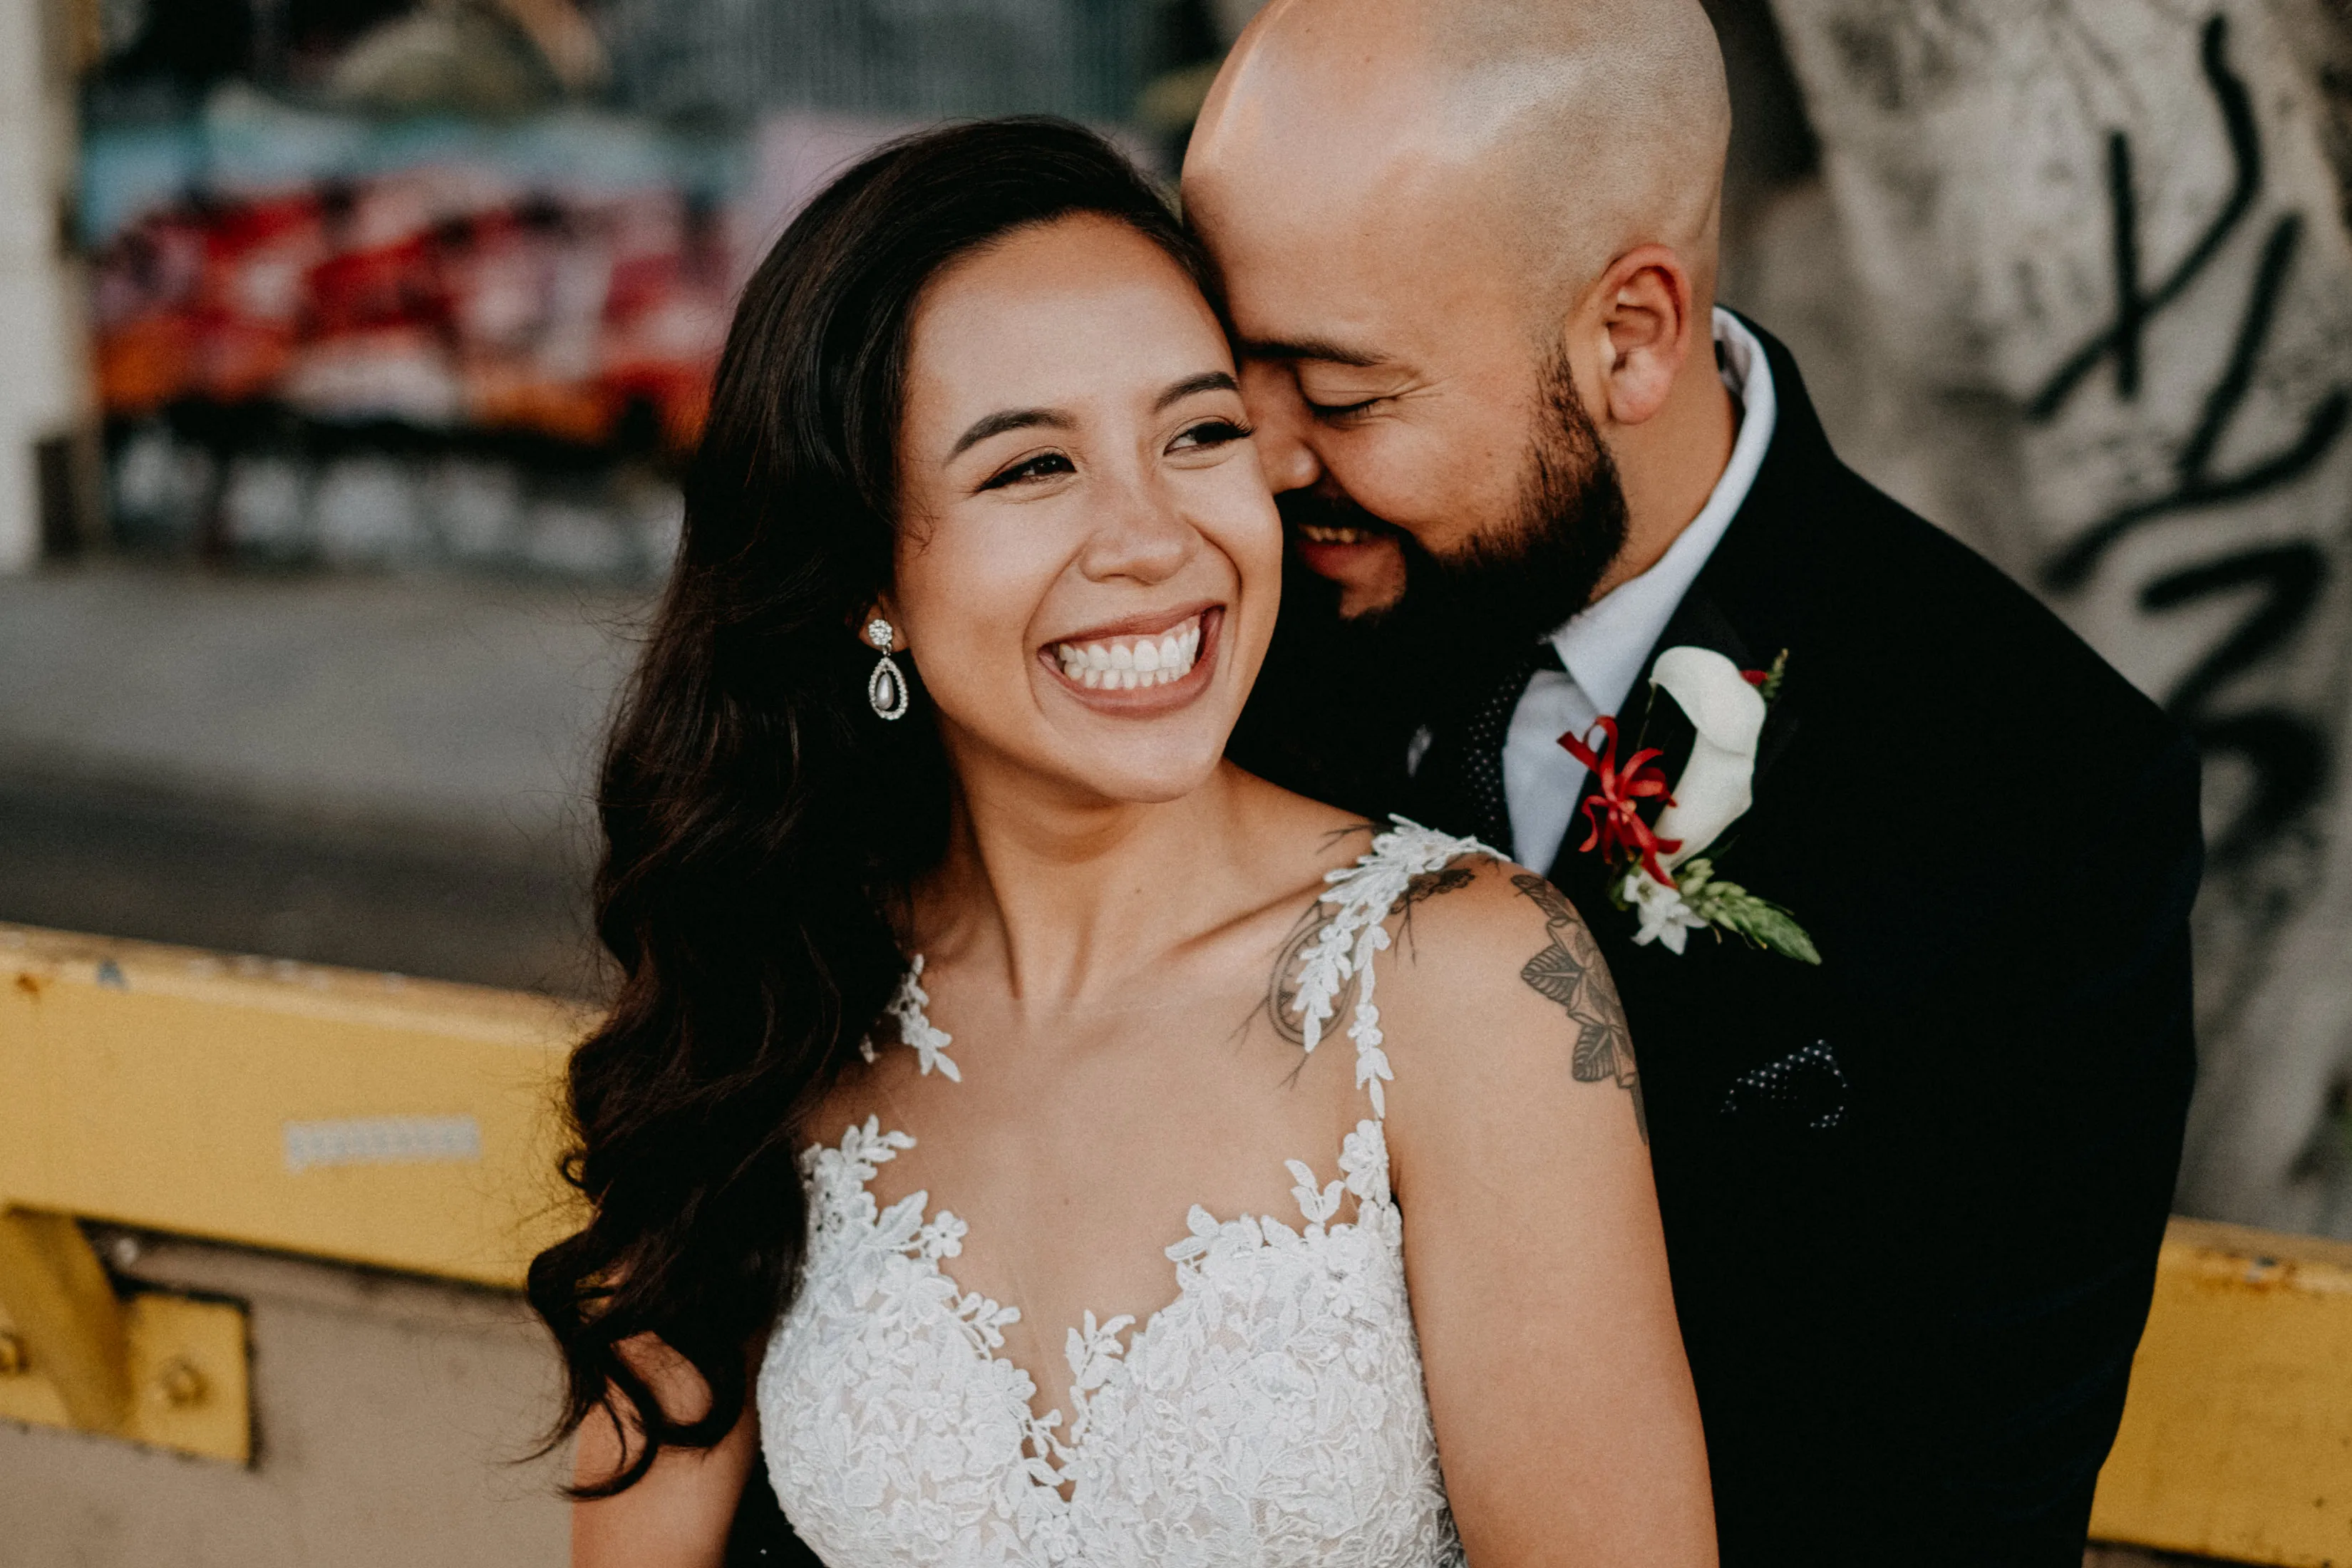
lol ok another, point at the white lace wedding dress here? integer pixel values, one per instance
(1272, 1413)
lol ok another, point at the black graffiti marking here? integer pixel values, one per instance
(2289, 758)
(2196, 485)
(2123, 337)
(2287, 754)
(2292, 573)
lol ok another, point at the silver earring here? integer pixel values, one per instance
(887, 687)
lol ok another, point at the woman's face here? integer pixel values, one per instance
(1089, 560)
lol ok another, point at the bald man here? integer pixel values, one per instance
(1915, 1093)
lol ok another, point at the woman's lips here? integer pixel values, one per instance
(1151, 664)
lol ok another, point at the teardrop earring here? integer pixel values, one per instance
(886, 688)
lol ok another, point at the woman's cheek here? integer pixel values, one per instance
(971, 596)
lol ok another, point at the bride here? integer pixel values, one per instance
(1028, 1136)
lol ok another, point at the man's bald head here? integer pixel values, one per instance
(1468, 248)
(1562, 132)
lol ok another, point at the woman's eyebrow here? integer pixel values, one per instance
(1207, 381)
(997, 423)
(1011, 419)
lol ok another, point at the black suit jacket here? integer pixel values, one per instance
(1913, 1197)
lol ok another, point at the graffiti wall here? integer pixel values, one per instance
(348, 339)
(2105, 245)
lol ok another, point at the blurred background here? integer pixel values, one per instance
(352, 349)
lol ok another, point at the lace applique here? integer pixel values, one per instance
(915, 1028)
(1271, 1414)
(1361, 897)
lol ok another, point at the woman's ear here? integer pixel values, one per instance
(1639, 318)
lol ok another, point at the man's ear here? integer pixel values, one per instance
(1639, 316)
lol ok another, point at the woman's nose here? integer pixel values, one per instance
(1141, 533)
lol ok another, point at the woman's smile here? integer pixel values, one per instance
(1141, 665)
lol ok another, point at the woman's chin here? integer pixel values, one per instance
(1145, 776)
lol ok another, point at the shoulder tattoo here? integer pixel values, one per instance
(1569, 971)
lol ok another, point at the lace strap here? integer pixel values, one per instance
(1361, 897)
(915, 1028)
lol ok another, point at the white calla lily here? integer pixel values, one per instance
(1728, 714)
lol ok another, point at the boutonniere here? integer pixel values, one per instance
(1664, 871)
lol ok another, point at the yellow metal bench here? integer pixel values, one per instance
(414, 1125)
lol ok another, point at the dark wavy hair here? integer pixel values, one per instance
(761, 824)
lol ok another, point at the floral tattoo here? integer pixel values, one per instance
(1569, 971)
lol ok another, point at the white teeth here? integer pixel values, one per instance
(1123, 665)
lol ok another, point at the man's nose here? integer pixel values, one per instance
(1278, 416)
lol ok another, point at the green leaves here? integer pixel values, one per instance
(1729, 906)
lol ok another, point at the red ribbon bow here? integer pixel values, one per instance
(1616, 824)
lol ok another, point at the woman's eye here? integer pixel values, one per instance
(1045, 465)
(1209, 433)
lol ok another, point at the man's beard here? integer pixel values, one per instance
(1340, 699)
(1464, 616)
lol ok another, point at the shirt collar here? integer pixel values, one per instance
(1603, 645)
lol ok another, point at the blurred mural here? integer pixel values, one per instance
(387, 284)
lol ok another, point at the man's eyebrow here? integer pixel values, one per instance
(997, 423)
(1317, 349)
(1207, 381)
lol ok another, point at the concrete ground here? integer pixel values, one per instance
(393, 1425)
(387, 773)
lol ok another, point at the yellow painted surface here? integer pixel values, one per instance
(65, 1316)
(2237, 1438)
(408, 1124)
(415, 1125)
(190, 1387)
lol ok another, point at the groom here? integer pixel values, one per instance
(1906, 961)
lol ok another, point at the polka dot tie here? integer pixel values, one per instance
(1459, 788)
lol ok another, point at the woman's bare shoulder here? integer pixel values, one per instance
(1494, 978)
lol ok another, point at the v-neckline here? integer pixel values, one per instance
(1097, 1337)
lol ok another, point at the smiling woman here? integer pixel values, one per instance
(978, 413)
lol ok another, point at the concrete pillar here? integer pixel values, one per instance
(2102, 259)
(48, 407)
